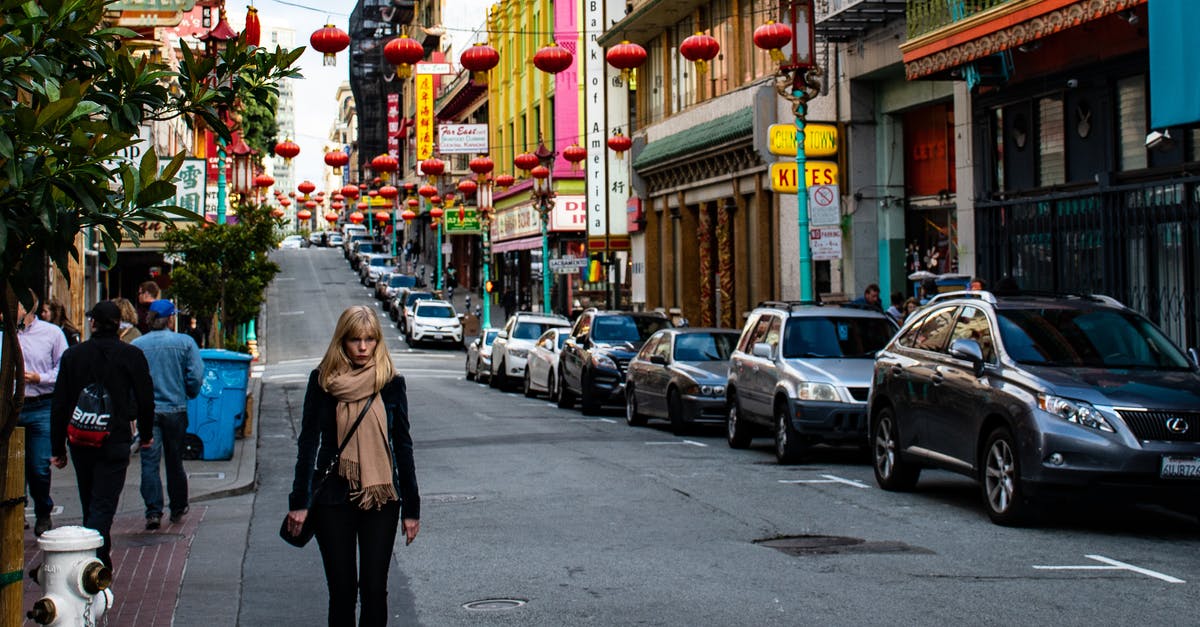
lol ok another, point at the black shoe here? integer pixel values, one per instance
(178, 516)
(42, 525)
(153, 521)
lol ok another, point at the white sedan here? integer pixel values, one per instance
(292, 241)
(541, 368)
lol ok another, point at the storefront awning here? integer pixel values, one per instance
(727, 128)
(525, 243)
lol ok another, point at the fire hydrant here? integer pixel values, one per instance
(74, 583)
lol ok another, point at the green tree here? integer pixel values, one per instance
(259, 128)
(225, 268)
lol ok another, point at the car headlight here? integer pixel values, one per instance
(1078, 412)
(603, 361)
(519, 353)
(809, 391)
(712, 390)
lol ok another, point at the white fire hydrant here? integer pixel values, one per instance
(74, 583)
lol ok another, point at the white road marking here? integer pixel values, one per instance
(1114, 565)
(608, 420)
(285, 377)
(685, 442)
(291, 313)
(307, 360)
(829, 479)
(482, 416)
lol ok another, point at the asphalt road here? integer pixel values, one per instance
(585, 520)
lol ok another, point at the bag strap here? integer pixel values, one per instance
(362, 414)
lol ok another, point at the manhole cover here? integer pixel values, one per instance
(148, 539)
(835, 545)
(448, 498)
(492, 605)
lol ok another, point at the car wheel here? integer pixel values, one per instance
(467, 367)
(529, 392)
(494, 379)
(501, 376)
(587, 401)
(566, 400)
(675, 412)
(892, 472)
(737, 432)
(551, 388)
(788, 447)
(1003, 492)
(633, 418)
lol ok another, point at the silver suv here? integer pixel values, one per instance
(803, 372)
(1037, 395)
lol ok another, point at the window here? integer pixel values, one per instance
(816, 337)
(663, 347)
(704, 346)
(973, 325)
(1131, 123)
(756, 334)
(935, 330)
(773, 332)
(649, 348)
(1099, 338)
(1052, 164)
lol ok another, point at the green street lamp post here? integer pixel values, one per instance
(543, 195)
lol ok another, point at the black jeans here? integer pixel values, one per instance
(100, 472)
(169, 431)
(340, 530)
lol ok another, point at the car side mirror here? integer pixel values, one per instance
(1194, 357)
(968, 350)
(502, 336)
(761, 349)
(658, 360)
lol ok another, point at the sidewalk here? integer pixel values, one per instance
(150, 565)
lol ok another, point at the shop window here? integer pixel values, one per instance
(683, 72)
(1051, 153)
(1131, 123)
(998, 148)
(929, 150)
(652, 94)
(757, 61)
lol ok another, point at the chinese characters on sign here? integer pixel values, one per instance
(393, 124)
(424, 116)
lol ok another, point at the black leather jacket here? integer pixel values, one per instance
(318, 442)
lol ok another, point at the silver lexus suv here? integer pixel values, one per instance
(1037, 395)
(803, 372)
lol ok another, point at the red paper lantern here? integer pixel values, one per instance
(433, 225)
(311, 204)
(304, 214)
(285, 203)
(362, 186)
(433, 168)
(253, 30)
(481, 165)
(336, 159)
(625, 56)
(338, 197)
(362, 206)
(619, 143)
(329, 41)
(773, 36)
(504, 181)
(263, 180)
(408, 215)
(403, 53)
(389, 192)
(479, 59)
(427, 191)
(552, 59)
(467, 187)
(436, 212)
(436, 200)
(306, 187)
(291, 194)
(350, 191)
(287, 149)
(383, 164)
(701, 49)
(413, 203)
(379, 181)
(331, 216)
(409, 188)
(574, 154)
(540, 172)
(357, 217)
(382, 216)
(339, 205)
(277, 213)
(526, 161)
(373, 193)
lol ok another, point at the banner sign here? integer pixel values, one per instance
(514, 222)
(820, 140)
(783, 175)
(424, 115)
(569, 215)
(393, 125)
(462, 138)
(469, 225)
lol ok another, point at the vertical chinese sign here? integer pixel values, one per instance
(424, 115)
(393, 124)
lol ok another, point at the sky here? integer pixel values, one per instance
(316, 107)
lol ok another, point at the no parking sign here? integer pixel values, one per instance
(824, 205)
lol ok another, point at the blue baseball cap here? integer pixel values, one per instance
(162, 308)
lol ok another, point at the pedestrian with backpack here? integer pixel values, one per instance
(103, 385)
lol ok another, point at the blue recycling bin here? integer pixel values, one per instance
(220, 408)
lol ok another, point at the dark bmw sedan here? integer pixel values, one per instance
(680, 375)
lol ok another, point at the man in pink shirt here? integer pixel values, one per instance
(42, 346)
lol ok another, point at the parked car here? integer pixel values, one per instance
(593, 360)
(317, 238)
(479, 355)
(359, 249)
(680, 375)
(541, 368)
(395, 304)
(373, 265)
(292, 241)
(512, 346)
(803, 373)
(334, 239)
(389, 284)
(412, 298)
(351, 243)
(434, 321)
(1037, 397)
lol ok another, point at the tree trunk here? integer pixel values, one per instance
(12, 459)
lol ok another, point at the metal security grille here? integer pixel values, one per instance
(1136, 243)
(1153, 425)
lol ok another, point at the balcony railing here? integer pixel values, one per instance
(926, 16)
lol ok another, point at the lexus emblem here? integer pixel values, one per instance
(1177, 425)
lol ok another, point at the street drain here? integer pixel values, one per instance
(836, 545)
(448, 498)
(494, 605)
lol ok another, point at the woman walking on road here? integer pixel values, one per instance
(374, 484)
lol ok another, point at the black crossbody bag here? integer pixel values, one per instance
(308, 528)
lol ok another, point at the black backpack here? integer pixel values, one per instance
(92, 414)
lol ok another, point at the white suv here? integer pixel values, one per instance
(511, 348)
(434, 321)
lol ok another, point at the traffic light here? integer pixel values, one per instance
(488, 286)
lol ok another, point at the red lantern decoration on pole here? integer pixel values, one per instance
(408, 215)
(285, 202)
(253, 30)
(504, 181)
(540, 172)
(336, 159)
(701, 49)
(277, 213)
(362, 206)
(481, 165)
(773, 36)
(306, 188)
(382, 216)
(428, 191)
(287, 149)
(263, 180)
(357, 217)
(331, 216)
(384, 164)
(436, 212)
(433, 168)
(467, 187)
(389, 192)
(403, 52)
(526, 161)
(304, 214)
(619, 143)
(350, 191)
(412, 203)
(625, 56)
(338, 205)
(552, 59)
(479, 59)
(329, 41)
(574, 154)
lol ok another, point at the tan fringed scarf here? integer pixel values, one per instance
(367, 460)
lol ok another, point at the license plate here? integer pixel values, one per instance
(1177, 467)
(438, 336)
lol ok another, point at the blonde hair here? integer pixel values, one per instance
(128, 311)
(356, 321)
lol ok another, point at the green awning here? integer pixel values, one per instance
(727, 128)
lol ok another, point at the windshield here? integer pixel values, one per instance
(530, 330)
(1099, 338)
(704, 346)
(562, 339)
(380, 261)
(614, 329)
(490, 337)
(416, 296)
(435, 311)
(835, 338)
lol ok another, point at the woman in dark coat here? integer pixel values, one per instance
(374, 485)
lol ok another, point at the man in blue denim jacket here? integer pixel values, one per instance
(178, 372)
